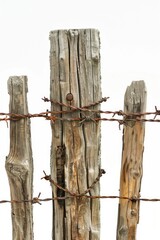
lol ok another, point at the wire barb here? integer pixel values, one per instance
(87, 119)
(36, 200)
(157, 112)
(46, 177)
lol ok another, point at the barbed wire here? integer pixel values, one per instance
(74, 108)
(48, 177)
(39, 200)
(53, 116)
(76, 195)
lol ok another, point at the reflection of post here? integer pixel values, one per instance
(19, 161)
(75, 150)
(132, 156)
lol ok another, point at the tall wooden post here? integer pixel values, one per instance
(19, 161)
(75, 149)
(132, 156)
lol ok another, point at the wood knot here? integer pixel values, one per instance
(123, 231)
(134, 212)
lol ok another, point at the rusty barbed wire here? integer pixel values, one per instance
(102, 171)
(74, 108)
(85, 108)
(48, 178)
(81, 120)
(39, 200)
(94, 116)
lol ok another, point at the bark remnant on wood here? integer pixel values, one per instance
(19, 165)
(131, 166)
(75, 71)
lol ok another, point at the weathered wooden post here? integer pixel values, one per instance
(19, 161)
(75, 149)
(132, 156)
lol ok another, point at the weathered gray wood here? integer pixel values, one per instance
(132, 156)
(19, 161)
(75, 149)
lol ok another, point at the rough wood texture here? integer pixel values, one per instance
(131, 168)
(75, 149)
(19, 161)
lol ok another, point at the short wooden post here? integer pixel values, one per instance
(132, 156)
(75, 149)
(19, 161)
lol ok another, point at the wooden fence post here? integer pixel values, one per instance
(132, 156)
(75, 149)
(19, 161)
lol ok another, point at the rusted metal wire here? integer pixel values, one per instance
(85, 108)
(48, 178)
(74, 108)
(39, 200)
(76, 195)
(82, 120)
(123, 118)
(51, 115)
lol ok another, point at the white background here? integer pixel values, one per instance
(130, 50)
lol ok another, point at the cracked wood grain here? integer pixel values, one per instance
(75, 69)
(19, 164)
(132, 162)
